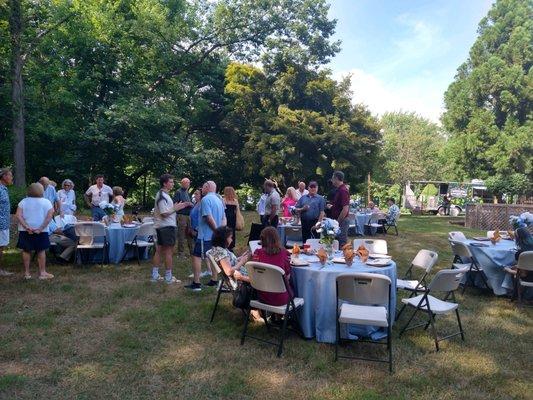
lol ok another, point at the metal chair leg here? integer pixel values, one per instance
(460, 325)
(434, 329)
(408, 322)
(246, 320)
(216, 304)
(338, 339)
(389, 346)
(283, 329)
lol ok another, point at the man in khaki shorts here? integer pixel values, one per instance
(6, 179)
(183, 199)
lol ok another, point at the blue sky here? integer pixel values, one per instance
(403, 54)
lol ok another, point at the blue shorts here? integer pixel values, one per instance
(201, 247)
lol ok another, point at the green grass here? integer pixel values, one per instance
(109, 333)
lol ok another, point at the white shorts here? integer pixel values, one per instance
(4, 237)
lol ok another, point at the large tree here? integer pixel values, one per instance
(489, 106)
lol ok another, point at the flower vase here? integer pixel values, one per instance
(329, 250)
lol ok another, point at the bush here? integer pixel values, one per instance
(248, 196)
(16, 194)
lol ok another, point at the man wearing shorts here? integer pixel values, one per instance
(165, 229)
(212, 216)
(6, 179)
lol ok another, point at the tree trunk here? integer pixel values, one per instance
(17, 93)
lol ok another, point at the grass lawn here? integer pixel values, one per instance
(108, 333)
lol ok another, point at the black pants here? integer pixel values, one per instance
(265, 221)
(307, 224)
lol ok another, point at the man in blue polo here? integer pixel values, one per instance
(311, 209)
(212, 216)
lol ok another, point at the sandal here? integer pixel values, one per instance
(45, 276)
(27, 277)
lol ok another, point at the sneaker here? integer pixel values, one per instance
(172, 280)
(27, 277)
(191, 276)
(45, 276)
(3, 272)
(157, 278)
(195, 287)
(205, 273)
(212, 283)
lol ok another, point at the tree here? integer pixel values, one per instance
(412, 149)
(489, 106)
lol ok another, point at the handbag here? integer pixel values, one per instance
(239, 221)
(242, 296)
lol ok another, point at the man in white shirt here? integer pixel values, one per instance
(301, 191)
(95, 195)
(272, 205)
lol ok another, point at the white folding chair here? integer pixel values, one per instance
(226, 284)
(144, 239)
(315, 244)
(87, 232)
(425, 260)
(445, 281)
(67, 219)
(352, 226)
(462, 252)
(363, 299)
(392, 224)
(525, 263)
(457, 236)
(376, 221)
(270, 278)
(254, 245)
(377, 246)
(147, 219)
(293, 235)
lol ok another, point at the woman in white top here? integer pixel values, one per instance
(119, 201)
(67, 198)
(34, 214)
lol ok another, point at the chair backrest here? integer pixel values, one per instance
(490, 234)
(88, 230)
(254, 245)
(213, 263)
(460, 249)
(146, 229)
(375, 217)
(266, 277)
(456, 236)
(425, 259)
(525, 261)
(67, 219)
(378, 246)
(447, 280)
(147, 219)
(351, 218)
(315, 244)
(293, 233)
(255, 231)
(364, 288)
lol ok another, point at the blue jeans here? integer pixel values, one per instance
(97, 213)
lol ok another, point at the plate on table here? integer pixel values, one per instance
(481, 238)
(129, 226)
(479, 244)
(296, 262)
(339, 260)
(380, 256)
(380, 262)
(311, 259)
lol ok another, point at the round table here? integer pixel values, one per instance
(361, 219)
(316, 285)
(492, 258)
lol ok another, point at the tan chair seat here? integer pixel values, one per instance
(437, 306)
(298, 302)
(363, 315)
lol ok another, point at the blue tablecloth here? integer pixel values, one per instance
(117, 236)
(492, 259)
(361, 220)
(318, 289)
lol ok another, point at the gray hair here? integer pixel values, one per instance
(211, 186)
(339, 175)
(68, 181)
(4, 171)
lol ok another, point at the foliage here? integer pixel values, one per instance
(248, 196)
(489, 110)
(512, 185)
(430, 190)
(380, 192)
(16, 194)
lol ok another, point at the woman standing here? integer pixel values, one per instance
(289, 201)
(67, 198)
(231, 203)
(34, 214)
(119, 201)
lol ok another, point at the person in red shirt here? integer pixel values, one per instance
(272, 252)
(341, 206)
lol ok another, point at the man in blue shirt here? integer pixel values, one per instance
(311, 208)
(212, 216)
(49, 192)
(6, 179)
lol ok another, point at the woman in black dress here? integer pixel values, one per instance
(231, 203)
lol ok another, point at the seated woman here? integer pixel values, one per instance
(272, 252)
(524, 242)
(289, 201)
(372, 208)
(232, 265)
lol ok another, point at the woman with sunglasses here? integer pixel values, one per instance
(67, 198)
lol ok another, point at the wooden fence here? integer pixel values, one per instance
(493, 216)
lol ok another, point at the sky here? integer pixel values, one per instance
(403, 54)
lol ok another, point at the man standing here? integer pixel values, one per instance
(302, 191)
(272, 205)
(50, 192)
(95, 195)
(184, 207)
(341, 206)
(6, 179)
(212, 216)
(311, 209)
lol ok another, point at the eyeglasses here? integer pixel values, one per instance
(312, 187)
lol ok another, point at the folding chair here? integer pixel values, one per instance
(255, 231)
(425, 260)
(226, 285)
(315, 244)
(270, 278)
(446, 281)
(461, 253)
(376, 222)
(254, 245)
(147, 231)
(457, 236)
(392, 224)
(377, 246)
(86, 233)
(525, 263)
(293, 235)
(352, 227)
(147, 219)
(363, 299)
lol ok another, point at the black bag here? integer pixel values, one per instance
(242, 295)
